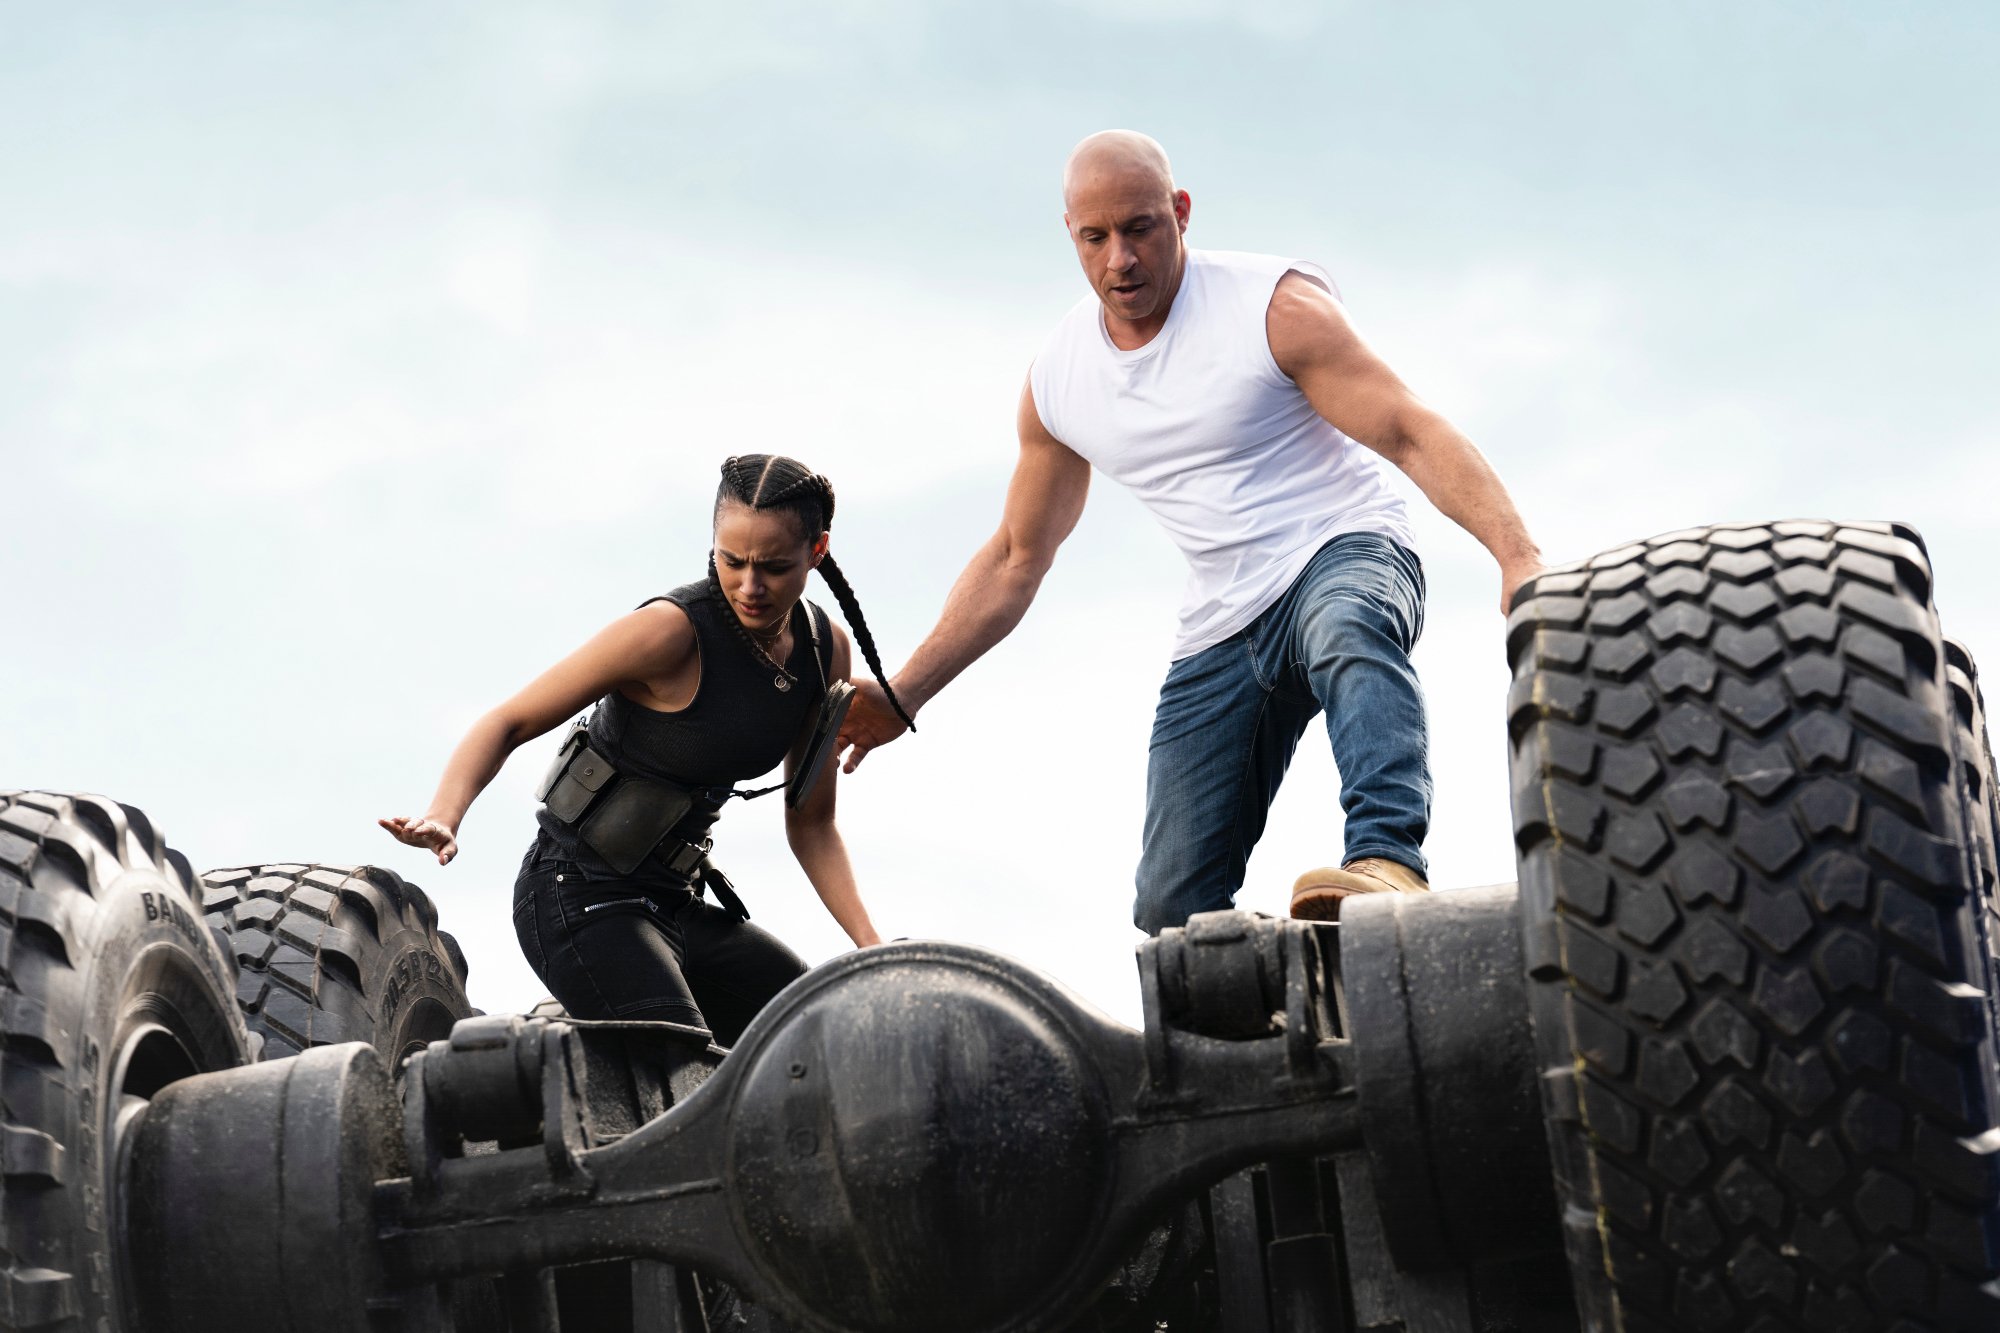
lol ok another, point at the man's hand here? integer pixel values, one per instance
(870, 722)
(426, 833)
(1513, 574)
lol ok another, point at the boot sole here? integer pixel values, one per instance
(1320, 904)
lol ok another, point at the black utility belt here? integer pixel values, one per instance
(626, 819)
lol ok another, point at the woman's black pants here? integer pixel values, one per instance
(644, 948)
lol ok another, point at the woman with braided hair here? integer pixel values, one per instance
(708, 686)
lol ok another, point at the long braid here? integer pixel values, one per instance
(772, 481)
(851, 609)
(850, 605)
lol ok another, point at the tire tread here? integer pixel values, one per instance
(314, 942)
(1766, 1014)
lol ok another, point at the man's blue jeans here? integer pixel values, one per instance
(1338, 641)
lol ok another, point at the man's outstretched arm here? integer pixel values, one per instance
(1044, 500)
(1350, 386)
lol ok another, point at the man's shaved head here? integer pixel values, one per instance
(1127, 155)
(1125, 217)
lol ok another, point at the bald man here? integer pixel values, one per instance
(1230, 393)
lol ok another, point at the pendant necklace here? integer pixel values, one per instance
(783, 680)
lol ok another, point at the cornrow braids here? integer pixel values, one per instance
(773, 481)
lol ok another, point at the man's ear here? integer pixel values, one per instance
(1183, 205)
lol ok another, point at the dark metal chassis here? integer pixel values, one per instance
(1343, 1120)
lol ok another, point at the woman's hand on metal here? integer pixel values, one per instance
(423, 832)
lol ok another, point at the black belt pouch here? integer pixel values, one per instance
(575, 779)
(630, 821)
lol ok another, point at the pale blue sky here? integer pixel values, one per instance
(356, 361)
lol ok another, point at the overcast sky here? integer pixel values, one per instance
(357, 361)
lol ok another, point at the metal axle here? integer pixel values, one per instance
(914, 1137)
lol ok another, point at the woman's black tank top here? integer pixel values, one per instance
(739, 725)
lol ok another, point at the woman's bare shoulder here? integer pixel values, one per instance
(659, 629)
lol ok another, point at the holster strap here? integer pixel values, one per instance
(725, 892)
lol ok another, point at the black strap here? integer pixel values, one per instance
(822, 651)
(725, 892)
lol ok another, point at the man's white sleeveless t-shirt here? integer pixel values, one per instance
(1217, 441)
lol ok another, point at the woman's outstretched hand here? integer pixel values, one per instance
(423, 832)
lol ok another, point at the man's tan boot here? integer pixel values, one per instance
(1317, 894)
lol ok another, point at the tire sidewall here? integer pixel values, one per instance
(147, 977)
(420, 1000)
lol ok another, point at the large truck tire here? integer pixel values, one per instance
(337, 953)
(110, 989)
(1750, 814)
(1975, 751)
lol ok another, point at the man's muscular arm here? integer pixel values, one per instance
(1350, 386)
(1044, 500)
